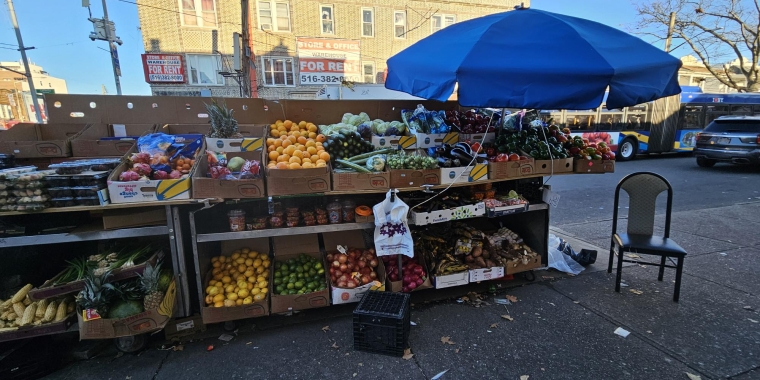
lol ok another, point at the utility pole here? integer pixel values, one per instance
(246, 61)
(670, 31)
(23, 49)
(112, 49)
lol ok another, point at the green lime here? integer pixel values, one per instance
(277, 281)
(318, 266)
(312, 272)
(320, 271)
(277, 274)
(290, 285)
(300, 275)
(300, 292)
(299, 284)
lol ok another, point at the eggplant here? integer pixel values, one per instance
(444, 162)
(465, 147)
(461, 154)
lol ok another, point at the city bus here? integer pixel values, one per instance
(662, 126)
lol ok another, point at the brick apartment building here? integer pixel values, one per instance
(298, 46)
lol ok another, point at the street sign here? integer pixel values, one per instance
(45, 91)
(115, 58)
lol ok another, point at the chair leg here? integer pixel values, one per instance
(612, 256)
(619, 271)
(679, 269)
(662, 268)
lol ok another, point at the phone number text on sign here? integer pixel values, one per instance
(166, 78)
(327, 79)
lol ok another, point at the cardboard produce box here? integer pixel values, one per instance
(402, 178)
(441, 216)
(432, 140)
(350, 239)
(361, 181)
(518, 266)
(451, 280)
(253, 139)
(102, 140)
(114, 219)
(397, 286)
(405, 142)
(206, 187)
(27, 140)
(562, 165)
(286, 247)
(594, 166)
(485, 274)
(479, 137)
(511, 169)
(477, 172)
(152, 190)
(298, 181)
(231, 313)
(141, 323)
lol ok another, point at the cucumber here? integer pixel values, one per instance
(370, 154)
(354, 166)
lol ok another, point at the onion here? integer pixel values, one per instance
(373, 263)
(407, 279)
(329, 257)
(365, 270)
(350, 266)
(393, 276)
(352, 255)
(373, 275)
(372, 250)
(412, 286)
(351, 284)
(342, 284)
(343, 278)
(332, 271)
(362, 264)
(419, 282)
(343, 267)
(365, 280)
(342, 259)
(418, 270)
(336, 264)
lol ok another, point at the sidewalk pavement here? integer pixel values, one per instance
(561, 327)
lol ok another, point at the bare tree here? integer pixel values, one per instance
(718, 31)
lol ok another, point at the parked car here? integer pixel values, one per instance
(734, 139)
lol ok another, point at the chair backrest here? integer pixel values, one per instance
(642, 189)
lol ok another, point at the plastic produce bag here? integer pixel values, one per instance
(559, 260)
(392, 235)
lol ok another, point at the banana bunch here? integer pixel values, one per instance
(448, 264)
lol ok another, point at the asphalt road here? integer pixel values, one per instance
(590, 197)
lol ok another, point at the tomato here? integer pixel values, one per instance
(514, 157)
(475, 147)
(502, 157)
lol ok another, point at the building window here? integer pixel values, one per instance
(368, 22)
(438, 22)
(198, 13)
(328, 22)
(274, 16)
(278, 71)
(204, 70)
(399, 24)
(368, 69)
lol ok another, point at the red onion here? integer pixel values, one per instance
(342, 284)
(373, 263)
(362, 264)
(336, 264)
(412, 286)
(343, 278)
(419, 282)
(407, 279)
(351, 283)
(342, 259)
(365, 280)
(373, 275)
(343, 267)
(418, 270)
(350, 266)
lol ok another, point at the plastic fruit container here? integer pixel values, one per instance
(86, 191)
(60, 192)
(99, 179)
(105, 164)
(87, 201)
(69, 168)
(63, 202)
(59, 181)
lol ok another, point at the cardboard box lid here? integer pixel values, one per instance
(98, 131)
(349, 239)
(288, 245)
(69, 108)
(325, 112)
(138, 109)
(20, 132)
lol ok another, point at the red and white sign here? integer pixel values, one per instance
(328, 61)
(163, 68)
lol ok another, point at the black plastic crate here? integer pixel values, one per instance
(381, 323)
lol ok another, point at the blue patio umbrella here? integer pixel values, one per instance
(530, 58)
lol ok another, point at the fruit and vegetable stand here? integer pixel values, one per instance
(268, 216)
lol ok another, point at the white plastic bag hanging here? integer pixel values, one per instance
(392, 235)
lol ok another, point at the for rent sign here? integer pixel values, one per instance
(328, 61)
(163, 68)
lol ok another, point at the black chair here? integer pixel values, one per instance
(642, 189)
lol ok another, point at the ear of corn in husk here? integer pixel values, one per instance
(28, 317)
(50, 311)
(21, 294)
(41, 308)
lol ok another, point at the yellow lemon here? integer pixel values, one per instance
(259, 297)
(219, 304)
(238, 301)
(248, 262)
(249, 273)
(235, 255)
(229, 289)
(218, 298)
(261, 278)
(263, 284)
(229, 303)
(248, 301)
(240, 260)
(255, 291)
(243, 293)
(226, 279)
(257, 263)
(266, 263)
(232, 296)
(213, 290)
(253, 254)
(260, 270)
(252, 280)
(263, 291)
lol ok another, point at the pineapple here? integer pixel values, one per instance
(223, 125)
(149, 282)
(97, 293)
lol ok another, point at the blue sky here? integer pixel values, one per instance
(59, 30)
